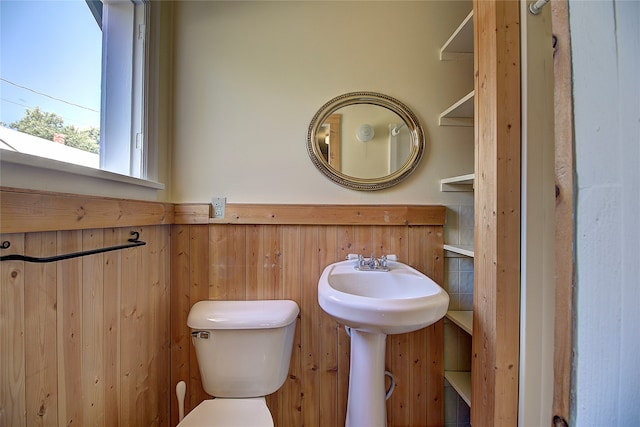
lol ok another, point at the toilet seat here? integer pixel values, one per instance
(221, 412)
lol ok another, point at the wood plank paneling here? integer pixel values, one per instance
(12, 336)
(433, 253)
(291, 279)
(328, 332)
(85, 341)
(198, 290)
(69, 323)
(40, 313)
(132, 323)
(92, 321)
(112, 325)
(179, 310)
(309, 313)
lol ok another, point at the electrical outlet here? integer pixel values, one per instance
(218, 204)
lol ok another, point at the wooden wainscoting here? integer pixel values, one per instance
(103, 339)
(274, 261)
(85, 341)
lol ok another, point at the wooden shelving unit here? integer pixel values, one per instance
(460, 46)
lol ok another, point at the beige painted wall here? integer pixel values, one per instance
(249, 77)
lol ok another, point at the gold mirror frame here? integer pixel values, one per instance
(367, 184)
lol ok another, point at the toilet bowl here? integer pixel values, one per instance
(249, 412)
(243, 350)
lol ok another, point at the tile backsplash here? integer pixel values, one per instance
(459, 225)
(458, 269)
(456, 411)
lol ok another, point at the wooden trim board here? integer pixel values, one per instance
(333, 214)
(24, 211)
(31, 211)
(565, 227)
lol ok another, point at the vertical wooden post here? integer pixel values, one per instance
(565, 227)
(496, 307)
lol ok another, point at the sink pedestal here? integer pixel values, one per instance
(376, 304)
(366, 404)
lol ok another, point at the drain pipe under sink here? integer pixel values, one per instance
(392, 386)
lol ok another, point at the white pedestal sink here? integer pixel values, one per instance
(374, 304)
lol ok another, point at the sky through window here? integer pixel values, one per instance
(50, 57)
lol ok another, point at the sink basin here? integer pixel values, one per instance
(374, 304)
(393, 302)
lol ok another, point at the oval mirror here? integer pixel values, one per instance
(365, 140)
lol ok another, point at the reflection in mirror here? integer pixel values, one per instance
(378, 156)
(328, 140)
(365, 140)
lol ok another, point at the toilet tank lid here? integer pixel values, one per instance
(242, 314)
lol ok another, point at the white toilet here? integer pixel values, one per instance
(243, 350)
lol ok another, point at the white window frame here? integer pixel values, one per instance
(122, 143)
(126, 156)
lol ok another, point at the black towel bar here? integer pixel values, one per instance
(133, 242)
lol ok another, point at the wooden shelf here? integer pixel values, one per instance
(460, 44)
(460, 113)
(464, 319)
(461, 382)
(458, 183)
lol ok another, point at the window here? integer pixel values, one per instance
(72, 75)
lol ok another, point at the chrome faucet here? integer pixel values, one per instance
(371, 264)
(374, 263)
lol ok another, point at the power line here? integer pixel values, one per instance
(48, 96)
(14, 102)
(67, 118)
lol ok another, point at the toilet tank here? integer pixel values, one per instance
(243, 347)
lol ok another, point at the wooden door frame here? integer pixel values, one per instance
(496, 311)
(564, 216)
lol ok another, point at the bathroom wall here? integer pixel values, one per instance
(249, 77)
(605, 44)
(239, 82)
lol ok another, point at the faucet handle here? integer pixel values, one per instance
(383, 261)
